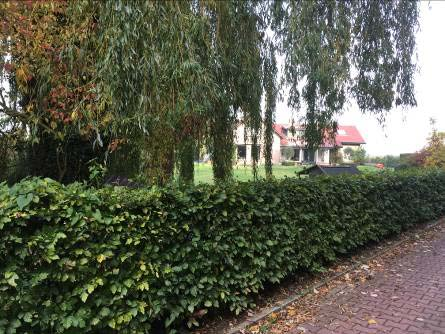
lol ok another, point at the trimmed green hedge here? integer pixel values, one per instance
(75, 259)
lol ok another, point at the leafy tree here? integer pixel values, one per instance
(287, 152)
(42, 82)
(336, 156)
(359, 155)
(238, 30)
(152, 77)
(348, 153)
(335, 48)
(165, 78)
(46, 80)
(387, 160)
(435, 149)
(432, 155)
(356, 155)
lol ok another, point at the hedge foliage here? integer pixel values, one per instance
(75, 259)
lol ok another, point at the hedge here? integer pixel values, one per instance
(75, 259)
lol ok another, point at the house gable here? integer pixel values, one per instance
(348, 135)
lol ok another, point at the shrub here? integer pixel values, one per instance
(288, 163)
(75, 259)
(287, 152)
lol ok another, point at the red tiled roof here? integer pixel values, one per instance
(278, 128)
(345, 135)
(348, 135)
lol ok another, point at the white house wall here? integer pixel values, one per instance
(276, 149)
(322, 155)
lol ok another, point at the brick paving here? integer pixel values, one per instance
(407, 297)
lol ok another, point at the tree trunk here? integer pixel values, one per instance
(186, 161)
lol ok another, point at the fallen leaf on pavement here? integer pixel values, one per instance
(254, 329)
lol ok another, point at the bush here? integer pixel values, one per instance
(75, 259)
(287, 152)
(288, 163)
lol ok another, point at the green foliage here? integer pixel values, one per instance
(65, 161)
(359, 155)
(78, 259)
(387, 160)
(7, 143)
(348, 151)
(287, 152)
(238, 28)
(435, 151)
(97, 173)
(331, 48)
(336, 156)
(152, 74)
(431, 156)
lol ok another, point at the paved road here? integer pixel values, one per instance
(408, 297)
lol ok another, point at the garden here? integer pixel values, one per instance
(95, 91)
(203, 172)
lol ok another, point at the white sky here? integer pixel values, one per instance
(407, 130)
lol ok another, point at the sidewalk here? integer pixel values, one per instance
(407, 297)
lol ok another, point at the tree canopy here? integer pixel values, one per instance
(160, 81)
(433, 154)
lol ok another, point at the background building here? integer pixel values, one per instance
(288, 145)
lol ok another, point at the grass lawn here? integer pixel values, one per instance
(204, 174)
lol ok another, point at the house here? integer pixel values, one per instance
(329, 170)
(288, 145)
(348, 137)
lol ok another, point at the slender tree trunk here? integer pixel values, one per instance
(268, 140)
(222, 150)
(186, 160)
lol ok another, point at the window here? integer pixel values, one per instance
(241, 149)
(308, 155)
(296, 156)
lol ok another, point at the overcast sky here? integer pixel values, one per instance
(407, 130)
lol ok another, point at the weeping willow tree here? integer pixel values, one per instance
(182, 72)
(237, 39)
(152, 80)
(335, 50)
(172, 74)
(166, 77)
